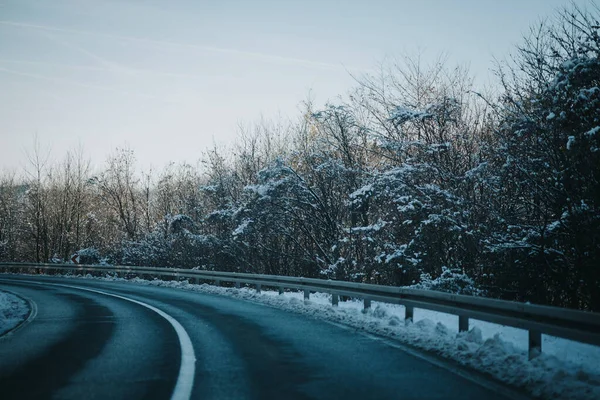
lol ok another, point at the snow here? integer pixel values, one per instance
(592, 131)
(242, 227)
(474, 172)
(564, 369)
(402, 114)
(362, 192)
(370, 228)
(13, 311)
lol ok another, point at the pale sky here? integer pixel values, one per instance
(169, 78)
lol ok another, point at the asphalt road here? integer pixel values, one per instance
(107, 340)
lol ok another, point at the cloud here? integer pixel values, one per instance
(86, 85)
(168, 44)
(137, 71)
(108, 65)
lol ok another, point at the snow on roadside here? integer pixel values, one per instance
(565, 369)
(13, 311)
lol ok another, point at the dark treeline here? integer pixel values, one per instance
(413, 178)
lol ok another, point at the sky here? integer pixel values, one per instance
(170, 79)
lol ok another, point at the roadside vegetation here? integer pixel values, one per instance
(414, 177)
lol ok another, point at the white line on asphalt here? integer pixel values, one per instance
(185, 380)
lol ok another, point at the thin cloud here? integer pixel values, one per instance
(39, 90)
(137, 71)
(51, 64)
(109, 65)
(242, 53)
(85, 85)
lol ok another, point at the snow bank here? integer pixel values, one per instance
(13, 311)
(565, 369)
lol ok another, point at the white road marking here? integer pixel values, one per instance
(185, 380)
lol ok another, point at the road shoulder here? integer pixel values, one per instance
(14, 311)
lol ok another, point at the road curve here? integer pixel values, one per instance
(95, 339)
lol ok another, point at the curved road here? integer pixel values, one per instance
(99, 340)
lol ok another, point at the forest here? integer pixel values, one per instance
(415, 177)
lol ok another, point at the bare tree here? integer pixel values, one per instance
(36, 210)
(10, 216)
(119, 190)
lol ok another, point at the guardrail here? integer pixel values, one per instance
(576, 325)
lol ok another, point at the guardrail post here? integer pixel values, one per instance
(258, 286)
(367, 304)
(217, 282)
(463, 323)
(335, 299)
(409, 312)
(280, 289)
(306, 294)
(535, 344)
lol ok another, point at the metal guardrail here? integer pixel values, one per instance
(576, 325)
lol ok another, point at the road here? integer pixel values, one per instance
(99, 340)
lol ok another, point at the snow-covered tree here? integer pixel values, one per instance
(548, 161)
